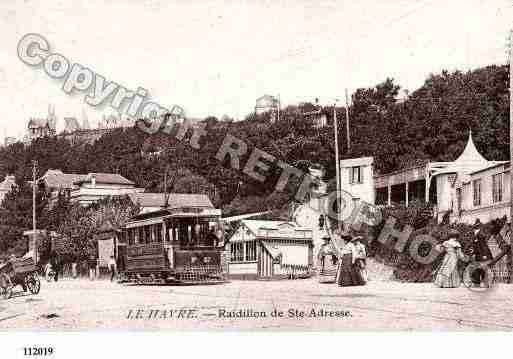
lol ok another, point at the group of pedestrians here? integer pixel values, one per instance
(350, 261)
(352, 266)
(448, 274)
(53, 268)
(92, 262)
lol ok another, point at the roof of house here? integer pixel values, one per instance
(58, 179)
(38, 122)
(275, 228)
(469, 161)
(243, 216)
(266, 100)
(470, 154)
(109, 178)
(176, 200)
(494, 164)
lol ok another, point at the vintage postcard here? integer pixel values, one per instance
(251, 166)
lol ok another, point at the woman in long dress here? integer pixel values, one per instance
(448, 275)
(361, 258)
(348, 274)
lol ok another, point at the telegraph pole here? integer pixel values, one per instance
(34, 188)
(347, 124)
(279, 105)
(510, 53)
(337, 162)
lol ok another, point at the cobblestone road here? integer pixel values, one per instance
(85, 305)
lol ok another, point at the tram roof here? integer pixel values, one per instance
(185, 212)
(175, 201)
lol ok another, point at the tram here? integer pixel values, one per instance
(175, 246)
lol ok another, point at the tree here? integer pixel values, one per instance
(16, 217)
(77, 231)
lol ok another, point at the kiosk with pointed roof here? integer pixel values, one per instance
(405, 184)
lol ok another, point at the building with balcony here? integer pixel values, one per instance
(469, 188)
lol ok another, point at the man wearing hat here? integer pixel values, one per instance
(481, 252)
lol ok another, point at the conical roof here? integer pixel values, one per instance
(470, 154)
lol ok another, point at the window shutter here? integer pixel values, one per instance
(351, 170)
(361, 173)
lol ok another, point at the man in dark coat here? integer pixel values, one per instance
(481, 251)
(56, 265)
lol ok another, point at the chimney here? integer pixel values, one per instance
(93, 180)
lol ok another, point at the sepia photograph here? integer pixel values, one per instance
(254, 166)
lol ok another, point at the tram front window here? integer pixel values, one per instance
(193, 234)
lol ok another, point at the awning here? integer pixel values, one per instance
(296, 254)
(273, 250)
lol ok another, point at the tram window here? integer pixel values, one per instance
(183, 234)
(171, 234)
(158, 232)
(147, 234)
(141, 235)
(130, 234)
(195, 234)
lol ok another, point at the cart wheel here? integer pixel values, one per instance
(33, 283)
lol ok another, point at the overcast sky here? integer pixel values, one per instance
(217, 57)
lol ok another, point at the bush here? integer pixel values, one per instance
(420, 217)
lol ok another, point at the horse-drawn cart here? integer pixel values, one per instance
(19, 271)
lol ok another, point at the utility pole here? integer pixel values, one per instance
(347, 124)
(34, 188)
(279, 105)
(337, 163)
(510, 53)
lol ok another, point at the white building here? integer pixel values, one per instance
(481, 192)
(86, 188)
(469, 188)
(92, 187)
(270, 250)
(266, 103)
(9, 141)
(6, 186)
(356, 178)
